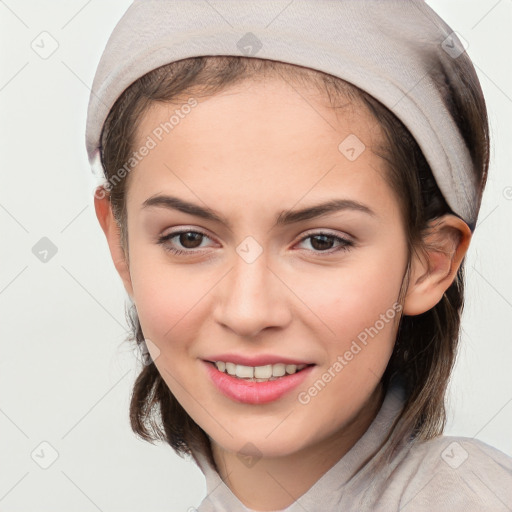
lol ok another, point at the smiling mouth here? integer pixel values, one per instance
(266, 373)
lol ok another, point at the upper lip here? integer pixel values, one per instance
(260, 360)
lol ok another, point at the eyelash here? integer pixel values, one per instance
(345, 243)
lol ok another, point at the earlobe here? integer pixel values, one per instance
(112, 232)
(433, 270)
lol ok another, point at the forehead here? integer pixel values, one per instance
(261, 107)
(258, 140)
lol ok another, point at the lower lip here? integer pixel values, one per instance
(248, 392)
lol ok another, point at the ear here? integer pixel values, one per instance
(113, 234)
(433, 271)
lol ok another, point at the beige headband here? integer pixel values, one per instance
(385, 47)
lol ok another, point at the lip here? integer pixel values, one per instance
(248, 392)
(261, 360)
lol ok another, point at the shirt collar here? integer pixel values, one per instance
(365, 449)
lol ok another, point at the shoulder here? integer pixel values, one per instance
(455, 473)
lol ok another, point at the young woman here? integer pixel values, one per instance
(289, 195)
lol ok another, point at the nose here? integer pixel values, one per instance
(252, 297)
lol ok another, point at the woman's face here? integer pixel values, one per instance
(257, 282)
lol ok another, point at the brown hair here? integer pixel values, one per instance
(426, 344)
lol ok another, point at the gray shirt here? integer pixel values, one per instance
(455, 474)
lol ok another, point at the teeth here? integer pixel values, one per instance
(291, 368)
(258, 373)
(263, 372)
(244, 372)
(231, 368)
(278, 370)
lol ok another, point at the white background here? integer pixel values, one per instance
(65, 370)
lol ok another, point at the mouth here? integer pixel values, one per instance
(255, 390)
(264, 373)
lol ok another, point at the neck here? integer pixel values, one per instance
(284, 479)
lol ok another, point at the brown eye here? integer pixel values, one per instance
(322, 242)
(327, 243)
(190, 239)
(182, 242)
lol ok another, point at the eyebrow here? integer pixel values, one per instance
(285, 217)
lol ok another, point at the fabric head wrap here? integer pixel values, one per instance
(388, 48)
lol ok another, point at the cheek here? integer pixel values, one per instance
(357, 310)
(162, 309)
(354, 297)
(165, 299)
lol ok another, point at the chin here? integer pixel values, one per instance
(260, 446)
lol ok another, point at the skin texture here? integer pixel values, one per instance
(249, 153)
